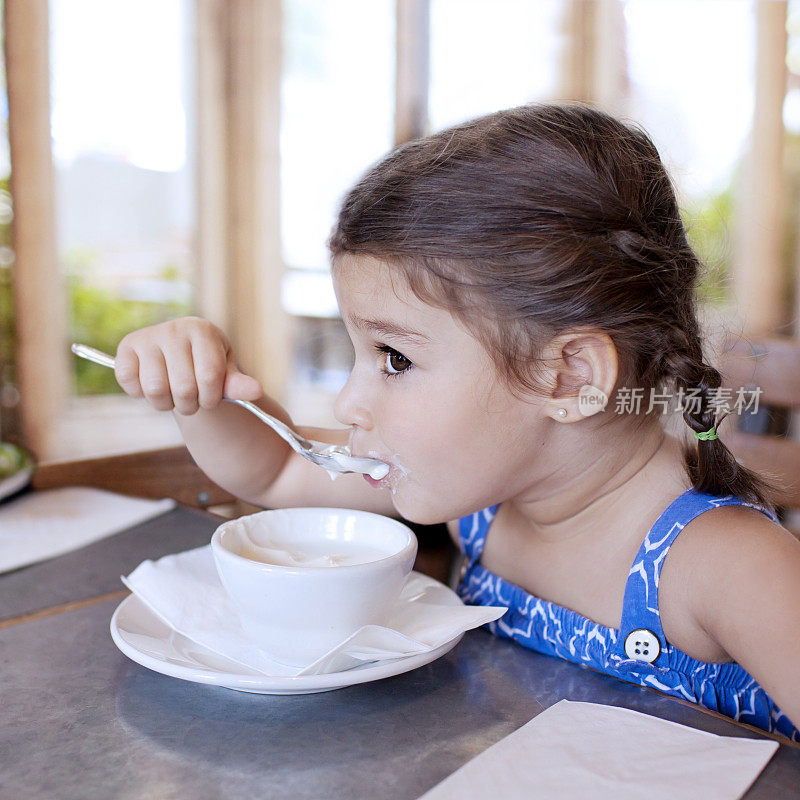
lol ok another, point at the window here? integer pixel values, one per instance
(686, 70)
(169, 192)
(698, 108)
(337, 111)
(337, 114)
(101, 134)
(122, 131)
(489, 56)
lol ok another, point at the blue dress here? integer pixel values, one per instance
(638, 652)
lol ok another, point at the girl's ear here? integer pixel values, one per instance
(584, 366)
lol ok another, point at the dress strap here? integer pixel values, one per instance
(640, 610)
(472, 532)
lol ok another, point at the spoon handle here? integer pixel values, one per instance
(89, 353)
(294, 440)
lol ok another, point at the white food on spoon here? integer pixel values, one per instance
(381, 471)
(399, 473)
(341, 455)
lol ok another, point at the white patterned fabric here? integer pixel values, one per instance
(557, 631)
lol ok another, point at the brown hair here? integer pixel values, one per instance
(539, 219)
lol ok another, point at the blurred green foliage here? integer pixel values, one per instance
(710, 224)
(708, 227)
(100, 318)
(10, 420)
(7, 331)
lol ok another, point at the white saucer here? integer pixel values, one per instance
(148, 641)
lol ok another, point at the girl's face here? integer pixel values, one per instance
(424, 396)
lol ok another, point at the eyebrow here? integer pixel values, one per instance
(388, 328)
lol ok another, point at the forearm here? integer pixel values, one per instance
(234, 448)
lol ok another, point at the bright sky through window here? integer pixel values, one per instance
(117, 70)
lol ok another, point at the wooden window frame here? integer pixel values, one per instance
(238, 242)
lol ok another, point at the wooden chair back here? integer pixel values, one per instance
(769, 368)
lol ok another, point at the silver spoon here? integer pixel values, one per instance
(331, 457)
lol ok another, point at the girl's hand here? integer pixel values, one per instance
(185, 364)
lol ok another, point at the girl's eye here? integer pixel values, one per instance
(394, 363)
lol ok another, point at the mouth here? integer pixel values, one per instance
(385, 480)
(376, 484)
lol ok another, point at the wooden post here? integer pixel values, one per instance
(758, 267)
(609, 72)
(212, 148)
(593, 60)
(412, 70)
(577, 22)
(40, 296)
(258, 326)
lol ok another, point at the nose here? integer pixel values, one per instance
(352, 405)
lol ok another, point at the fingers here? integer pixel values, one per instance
(180, 373)
(239, 386)
(183, 364)
(154, 379)
(126, 370)
(209, 357)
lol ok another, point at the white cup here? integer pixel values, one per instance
(304, 579)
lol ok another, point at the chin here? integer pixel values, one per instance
(419, 513)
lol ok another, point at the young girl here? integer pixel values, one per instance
(506, 283)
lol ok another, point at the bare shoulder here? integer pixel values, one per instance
(725, 555)
(727, 534)
(743, 579)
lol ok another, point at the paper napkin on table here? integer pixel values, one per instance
(185, 592)
(44, 524)
(579, 750)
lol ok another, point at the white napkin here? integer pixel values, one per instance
(41, 525)
(185, 592)
(579, 750)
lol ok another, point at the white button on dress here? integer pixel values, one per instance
(642, 645)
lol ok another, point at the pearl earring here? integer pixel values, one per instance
(562, 412)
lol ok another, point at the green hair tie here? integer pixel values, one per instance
(711, 433)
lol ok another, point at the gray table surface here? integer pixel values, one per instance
(83, 721)
(95, 569)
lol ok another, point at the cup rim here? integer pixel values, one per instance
(409, 549)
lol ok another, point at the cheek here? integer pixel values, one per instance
(416, 421)
(428, 436)
(431, 424)
(408, 410)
